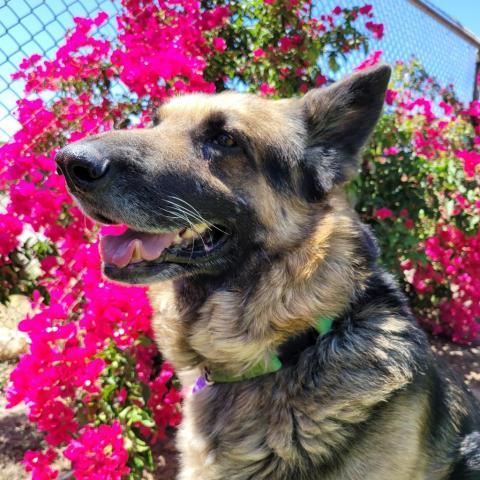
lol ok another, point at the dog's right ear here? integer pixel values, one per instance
(339, 120)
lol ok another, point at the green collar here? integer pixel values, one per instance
(323, 326)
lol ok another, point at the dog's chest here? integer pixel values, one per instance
(254, 434)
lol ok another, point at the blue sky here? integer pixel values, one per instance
(467, 12)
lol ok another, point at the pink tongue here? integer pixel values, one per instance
(118, 249)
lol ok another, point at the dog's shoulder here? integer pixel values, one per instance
(468, 465)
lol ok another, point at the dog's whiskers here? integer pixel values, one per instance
(194, 213)
(182, 216)
(187, 212)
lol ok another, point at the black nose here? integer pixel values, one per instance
(83, 165)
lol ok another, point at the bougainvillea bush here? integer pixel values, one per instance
(419, 188)
(93, 380)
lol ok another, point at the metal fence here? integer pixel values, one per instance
(37, 26)
(417, 28)
(412, 27)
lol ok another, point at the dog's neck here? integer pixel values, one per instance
(232, 329)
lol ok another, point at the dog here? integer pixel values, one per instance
(299, 355)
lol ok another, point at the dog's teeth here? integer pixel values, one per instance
(136, 257)
(188, 233)
(194, 232)
(201, 227)
(177, 239)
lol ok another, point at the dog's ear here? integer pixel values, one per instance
(339, 120)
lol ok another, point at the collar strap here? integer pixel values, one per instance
(322, 326)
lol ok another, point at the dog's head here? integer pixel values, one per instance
(221, 178)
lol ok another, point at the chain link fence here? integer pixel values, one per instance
(37, 26)
(417, 28)
(411, 27)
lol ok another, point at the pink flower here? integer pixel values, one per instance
(163, 402)
(452, 267)
(376, 28)
(10, 228)
(285, 44)
(391, 151)
(471, 160)
(266, 89)
(54, 417)
(409, 223)
(366, 9)
(258, 53)
(219, 44)
(99, 453)
(446, 107)
(390, 96)
(121, 395)
(100, 18)
(383, 213)
(63, 370)
(337, 10)
(473, 109)
(420, 286)
(370, 61)
(38, 463)
(320, 80)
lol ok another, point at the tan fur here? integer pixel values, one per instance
(353, 405)
(234, 334)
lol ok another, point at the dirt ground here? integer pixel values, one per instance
(465, 361)
(17, 435)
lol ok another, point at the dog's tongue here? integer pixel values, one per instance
(118, 249)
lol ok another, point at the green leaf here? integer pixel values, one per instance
(138, 461)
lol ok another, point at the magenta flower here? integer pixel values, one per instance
(376, 28)
(266, 89)
(219, 44)
(99, 453)
(10, 229)
(370, 61)
(383, 213)
(471, 160)
(258, 53)
(390, 96)
(38, 463)
(366, 9)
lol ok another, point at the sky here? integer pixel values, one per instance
(467, 12)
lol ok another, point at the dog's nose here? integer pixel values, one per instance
(83, 165)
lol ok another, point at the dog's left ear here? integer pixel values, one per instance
(339, 120)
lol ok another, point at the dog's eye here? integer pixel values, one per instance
(224, 140)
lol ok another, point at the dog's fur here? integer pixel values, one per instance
(365, 401)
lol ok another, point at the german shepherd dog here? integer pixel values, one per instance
(238, 220)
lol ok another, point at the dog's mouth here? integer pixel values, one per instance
(140, 257)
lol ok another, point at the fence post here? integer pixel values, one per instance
(476, 78)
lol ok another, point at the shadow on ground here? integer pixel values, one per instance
(17, 436)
